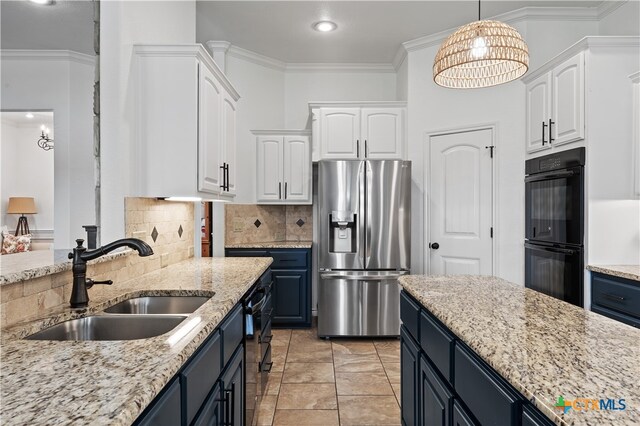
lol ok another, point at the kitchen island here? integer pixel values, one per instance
(538, 352)
(112, 382)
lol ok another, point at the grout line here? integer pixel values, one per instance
(333, 361)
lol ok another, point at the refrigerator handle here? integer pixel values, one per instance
(362, 177)
(368, 209)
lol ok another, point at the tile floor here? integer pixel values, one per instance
(331, 382)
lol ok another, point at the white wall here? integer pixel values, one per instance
(27, 171)
(123, 24)
(622, 21)
(432, 109)
(301, 87)
(62, 83)
(402, 81)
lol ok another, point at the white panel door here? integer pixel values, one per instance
(382, 133)
(297, 169)
(229, 142)
(538, 113)
(460, 204)
(209, 133)
(340, 133)
(269, 178)
(568, 101)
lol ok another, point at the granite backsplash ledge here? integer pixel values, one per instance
(252, 223)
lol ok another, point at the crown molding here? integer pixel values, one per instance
(218, 46)
(399, 58)
(256, 58)
(339, 67)
(47, 55)
(607, 7)
(523, 14)
(282, 132)
(592, 42)
(194, 50)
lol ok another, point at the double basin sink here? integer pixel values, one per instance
(136, 318)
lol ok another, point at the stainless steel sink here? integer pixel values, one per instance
(127, 327)
(158, 305)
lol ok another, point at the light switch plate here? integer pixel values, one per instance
(238, 225)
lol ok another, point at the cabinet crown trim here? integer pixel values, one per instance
(196, 50)
(357, 104)
(286, 132)
(583, 44)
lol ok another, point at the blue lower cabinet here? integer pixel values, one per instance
(233, 390)
(409, 371)
(532, 417)
(460, 416)
(290, 294)
(436, 400)
(166, 410)
(211, 413)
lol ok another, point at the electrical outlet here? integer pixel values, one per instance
(238, 225)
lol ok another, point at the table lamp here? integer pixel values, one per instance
(22, 206)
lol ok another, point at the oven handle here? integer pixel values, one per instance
(551, 249)
(552, 175)
(258, 306)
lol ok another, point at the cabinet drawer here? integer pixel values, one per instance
(232, 333)
(487, 396)
(246, 253)
(165, 411)
(460, 415)
(617, 294)
(288, 259)
(211, 413)
(532, 417)
(409, 314)
(438, 344)
(200, 375)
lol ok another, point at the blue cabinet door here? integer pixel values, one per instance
(436, 401)
(409, 373)
(165, 410)
(233, 393)
(290, 295)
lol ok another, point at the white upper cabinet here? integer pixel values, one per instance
(297, 168)
(185, 124)
(340, 132)
(382, 132)
(358, 130)
(538, 113)
(567, 122)
(283, 169)
(555, 105)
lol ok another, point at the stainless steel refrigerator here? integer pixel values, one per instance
(364, 245)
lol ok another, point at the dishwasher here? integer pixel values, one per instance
(258, 311)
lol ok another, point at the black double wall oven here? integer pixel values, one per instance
(554, 225)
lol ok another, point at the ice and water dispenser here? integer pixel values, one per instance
(342, 235)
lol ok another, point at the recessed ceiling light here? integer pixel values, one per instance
(28, 115)
(325, 26)
(45, 2)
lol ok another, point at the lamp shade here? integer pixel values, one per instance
(21, 205)
(481, 54)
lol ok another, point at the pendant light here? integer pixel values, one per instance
(481, 54)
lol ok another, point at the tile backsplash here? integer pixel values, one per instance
(252, 223)
(166, 226)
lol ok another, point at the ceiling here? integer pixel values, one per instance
(66, 25)
(368, 31)
(19, 118)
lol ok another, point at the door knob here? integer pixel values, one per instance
(434, 246)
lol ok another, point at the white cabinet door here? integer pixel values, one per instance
(382, 130)
(538, 113)
(269, 179)
(229, 143)
(568, 101)
(340, 133)
(297, 169)
(209, 133)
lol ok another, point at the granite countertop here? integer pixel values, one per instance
(34, 264)
(630, 272)
(544, 347)
(111, 382)
(272, 244)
